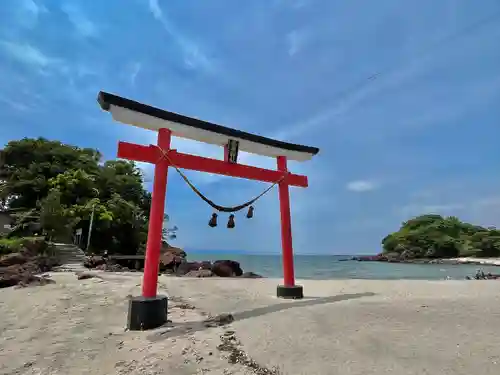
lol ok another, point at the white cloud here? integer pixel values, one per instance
(83, 25)
(194, 57)
(29, 12)
(154, 7)
(33, 7)
(361, 186)
(18, 106)
(28, 54)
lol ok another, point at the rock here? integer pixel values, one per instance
(167, 249)
(251, 275)
(13, 258)
(19, 275)
(186, 267)
(167, 259)
(219, 320)
(199, 273)
(226, 268)
(222, 270)
(8, 280)
(111, 267)
(94, 261)
(170, 261)
(36, 245)
(84, 276)
(34, 281)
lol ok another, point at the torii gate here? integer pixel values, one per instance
(150, 310)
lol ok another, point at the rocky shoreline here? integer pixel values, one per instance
(27, 266)
(24, 268)
(448, 261)
(172, 262)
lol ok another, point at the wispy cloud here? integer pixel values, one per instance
(28, 13)
(194, 57)
(295, 41)
(28, 54)
(393, 78)
(361, 186)
(83, 25)
(21, 107)
(135, 68)
(33, 7)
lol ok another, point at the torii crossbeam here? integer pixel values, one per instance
(149, 310)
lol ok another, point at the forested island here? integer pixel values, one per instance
(431, 237)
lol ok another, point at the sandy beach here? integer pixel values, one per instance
(472, 260)
(343, 327)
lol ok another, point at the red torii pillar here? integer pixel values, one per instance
(146, 313)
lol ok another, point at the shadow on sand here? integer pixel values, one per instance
(178, 329)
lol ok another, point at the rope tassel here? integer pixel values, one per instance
(250, 212)
(230, 222)
(213, 221)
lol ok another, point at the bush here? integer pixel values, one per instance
(10, 245)
(34, 245)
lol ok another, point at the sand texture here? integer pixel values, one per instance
(345, 327)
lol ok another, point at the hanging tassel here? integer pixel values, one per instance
(213, 221)
(230, 222)
(250, 212)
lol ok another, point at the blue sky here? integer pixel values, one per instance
(402, 98)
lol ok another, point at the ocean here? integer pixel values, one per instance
(323, 267)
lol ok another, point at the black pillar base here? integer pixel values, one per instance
(290, 292)
(146, 313)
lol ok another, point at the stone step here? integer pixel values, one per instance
(72, 255)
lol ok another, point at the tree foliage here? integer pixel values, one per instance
(435, 236)
(62, 185)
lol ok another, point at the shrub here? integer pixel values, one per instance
(34, 245)
(10, 245)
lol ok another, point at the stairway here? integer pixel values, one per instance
(70, 256)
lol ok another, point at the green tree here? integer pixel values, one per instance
(62, 185)
(435, 236)
(28, 164)
(54, 217)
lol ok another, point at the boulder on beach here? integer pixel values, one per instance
(199, 273)
(21, 267)
(186, 267)
(173, 261)
(226, 268)
(251, 275)
(13, 258)
(168, 249)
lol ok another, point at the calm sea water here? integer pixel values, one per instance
(332, 267)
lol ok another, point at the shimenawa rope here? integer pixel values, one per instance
(211, 203)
